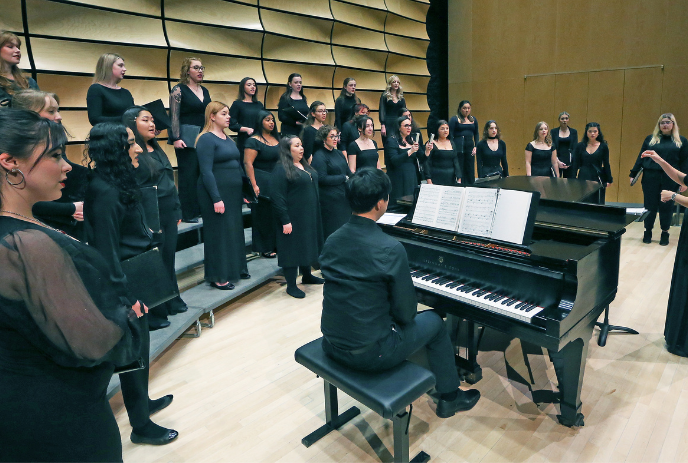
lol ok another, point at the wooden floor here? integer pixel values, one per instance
(240, 397)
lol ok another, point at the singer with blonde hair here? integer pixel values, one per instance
(106, 101)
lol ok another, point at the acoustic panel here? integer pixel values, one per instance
(149, 7)
(318, 30)
(217, 12)
(11, 18)
(214, 39)
(277, 72)
(344, 34)
(360, 16)
(317, 8)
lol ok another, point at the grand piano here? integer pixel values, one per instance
(549, 291)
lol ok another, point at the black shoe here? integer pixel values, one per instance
(296, 292)
(194, 220)
(664, 239)
(166, 438)
(269, 255)
(312, 280)
(156, 323)
(154, 406)
(245, 276)
(179, 309)
(226, 287)
(647, 236)
(465, 400)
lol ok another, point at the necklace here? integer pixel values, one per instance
(34, 221)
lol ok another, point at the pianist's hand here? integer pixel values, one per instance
(286, 229)
(219, 207)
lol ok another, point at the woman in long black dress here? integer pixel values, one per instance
(106, 101)
(344, 104)
(391, 104)
(402, 160)
(221, 199)
(299, 228)
(565, 139)
(442, 165)
(350, 130)
(591, 158)
(316, 118)
(676, 325)
(491, 152)
(463, 131)
(12, 79)
(64, 325)
(292, 109)
(672, 147)
(116, 226)
(244, 112)
(260, 155)
(155, 170)
(187, 114)
(541, 155)
(362, 152)
(333, 172)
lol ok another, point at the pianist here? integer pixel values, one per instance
(369, 319)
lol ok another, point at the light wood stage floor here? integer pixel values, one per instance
(239, 396)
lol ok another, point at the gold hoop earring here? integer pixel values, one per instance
(15, 171)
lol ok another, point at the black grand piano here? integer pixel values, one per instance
(549, 292)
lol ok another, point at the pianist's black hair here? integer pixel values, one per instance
(366, 187)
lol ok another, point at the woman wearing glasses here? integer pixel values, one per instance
(333, 172)
(316, 118)
(672, 147)
(187, 112)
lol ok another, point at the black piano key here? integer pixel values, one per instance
(531, 308)
(498, 298)
(518, 306)
(475, 293)
(452, 285)
(430, 276)
(513, 301)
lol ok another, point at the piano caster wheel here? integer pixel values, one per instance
(578, 421)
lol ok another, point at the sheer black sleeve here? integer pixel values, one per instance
(41, 278)
(175, 106)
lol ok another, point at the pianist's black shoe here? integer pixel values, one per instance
(647, 236)
(664, 239)
(465, 400)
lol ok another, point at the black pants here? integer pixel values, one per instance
(653, 182)
(168, 248)
(291, 272)
(465, 147)
(426, 330)
(135, 383)
(188, 172)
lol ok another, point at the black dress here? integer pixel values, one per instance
(221, 180)
(364, 158)
(186, 109)
(296, 202)
(593, 167)
(6, 94)
(105, 104)
(262, 217)
(676, 325)
(58, 346)
(310, 144)
(348, 135)
(540, 161)
(442, 166)
(490, 162)
(289, 112)
(465, 137)
(390, 111)
(344, 109)
(155, 170)
(565, 148)
(333, 171)
(401, 168)
(243, 114)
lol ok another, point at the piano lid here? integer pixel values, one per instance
(557, 189)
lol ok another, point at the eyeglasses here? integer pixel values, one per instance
(333, 137)
(666, 122)
(198, 68)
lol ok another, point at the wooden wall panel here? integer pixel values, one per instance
(11, 18)
(405, 65)
(410, 9)
(405, 27)
(360, 59)
(344, 34)
(675, 95)
(407, 46)
(310, 7)
(642, 103)
(538, 104)
(416, 102)
(567, 97)
(364, 79)
(219, 68)
(415, 84)
(357, 15)
(214, 39)
(223, 92)
(300, 27)
(312, 76)
(218, 12)
(300, 51)
(151, 7)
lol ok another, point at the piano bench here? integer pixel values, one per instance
(388, 393)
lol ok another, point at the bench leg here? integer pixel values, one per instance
(333, 420)
(197, 326)
(401, 423)
(211, 318)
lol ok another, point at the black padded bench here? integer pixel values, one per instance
(387, 393)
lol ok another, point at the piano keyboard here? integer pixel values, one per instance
(473, 295)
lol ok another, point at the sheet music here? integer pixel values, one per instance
(449, 209)
(478, 212)
(427, 205)
(390, 218)
(511, 216)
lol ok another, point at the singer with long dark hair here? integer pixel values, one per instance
(344, 104)
(64, 325)
(295, 201)
(260, 156)
(402, 160)
(491, 152)
(317, 114)
(350, 130)
(362, 152)
(116, 226)
(463, 131)
(442, 165)
(666, 141)
(292, 109)
(244, 112)
(591, 158)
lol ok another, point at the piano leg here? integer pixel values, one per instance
(605, 328)
(468, 368)
(569, 365)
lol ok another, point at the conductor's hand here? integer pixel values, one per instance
(666, 195)
(179, 144)
(219, 207)
(652, 154)
(286, 229)
(682, 188)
